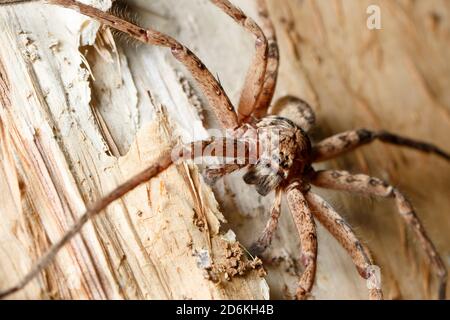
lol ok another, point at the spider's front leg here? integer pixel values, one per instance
(273, 62)
(262, 75)
(363, 184)
(210, 86)
(266, 236)
(344, 234)
(306, 228)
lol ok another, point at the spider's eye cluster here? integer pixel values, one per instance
(279, 142)
(283, 160)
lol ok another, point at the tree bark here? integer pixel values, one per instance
(82, 111)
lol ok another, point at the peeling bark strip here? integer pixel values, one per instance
(5, 88)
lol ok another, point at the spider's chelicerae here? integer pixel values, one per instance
(286, 169)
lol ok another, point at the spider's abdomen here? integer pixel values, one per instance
(284, 151)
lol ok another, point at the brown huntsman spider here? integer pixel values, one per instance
(286, 168)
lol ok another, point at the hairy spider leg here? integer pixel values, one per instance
(306, 229)
(266, 236)
(344, 234)
(342, 143)
(260, 81)
(366, 185)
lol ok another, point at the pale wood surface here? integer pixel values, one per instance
(67, 139)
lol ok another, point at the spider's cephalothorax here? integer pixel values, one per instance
(284, 152)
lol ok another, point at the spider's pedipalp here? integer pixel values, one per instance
(342, 143)
(214, 173)
(343, 233)
(366, 185)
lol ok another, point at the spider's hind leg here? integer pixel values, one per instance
(344, 142)
(296, 110)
